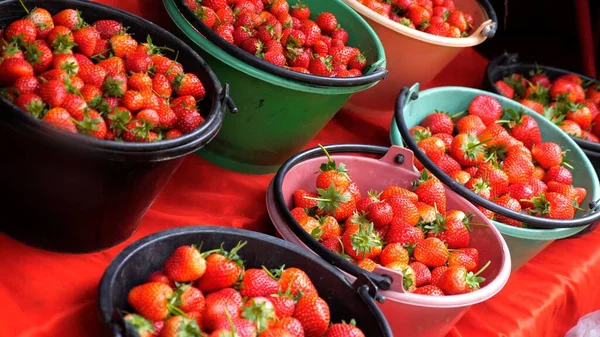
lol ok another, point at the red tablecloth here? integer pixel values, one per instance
(45, 294)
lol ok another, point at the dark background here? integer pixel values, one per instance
(542, 31)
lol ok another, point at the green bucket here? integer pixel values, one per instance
(523, 243)
(277, 116)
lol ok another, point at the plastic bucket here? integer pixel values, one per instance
(73, 193)
(278, 116)
(134, 264)
(414, 56)
(423, 316)
(507, 64)
(524, 243)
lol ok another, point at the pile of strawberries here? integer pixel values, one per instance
(567, 101)
(500, 155)
(284, 36)
(212, 294)
(96, 79)
(437, 17)
(403, 230)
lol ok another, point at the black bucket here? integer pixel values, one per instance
(72, 193)
(507, 64)
(134, 264)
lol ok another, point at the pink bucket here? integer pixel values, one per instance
(413, 56)
(423, 316)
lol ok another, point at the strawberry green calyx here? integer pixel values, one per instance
(473, 147)
(331, 165)
(37, 108)
(33, 53)
(330, 199)
(154, 49)
(541, 206)
(274, 273)
(233, 253)
(539, 93)
(119, 118)
(407, 281)
(474, 280)
(554, 115)
(422, 134)
(141, 325)
(62, 44)
(87, 125)
(365, 240)
(11, 49)
(299, 5)
(516, 83)
(259, 313)
(438, 226)
(405, 21)
(423, 178)
(113, 87)
(359, 218)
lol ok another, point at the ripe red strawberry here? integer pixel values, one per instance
(329, 228)
(12, 69)
(593, 94)
(533, 105)
(258, 283)
(69, 18)
(133, 100)
(380, 213)
(405, 235)
(189, 120)
(495, 177)
(142, 326)
(518, 168)
(487, 108)
(275, 58)
(93, 75)
(457, 280)
(223, 269)
(438, 122)
(159, 276)
(31, 103)
(278, 7)
(418, 15)
(321, 66)
(339, 204)
(393, 252)
(123, 44)
(242, 327)
(431, 192)
(521, 192)
(344, 330)
(367, 264)
(547, 154)
(115, 86)
(572, 91)
(511, 203)
(525, 129)
(333, 174)
(86, 39)
(207, 15)
(53, 92)
(151, 300)
(284, 305)
(313, 312)
(467, 149)
(470, 124)
(438, 27)
(149, 116)
(42, 19)
(559, 174)
(456, 235)
(505, 89)
(260, 311)
(290, 324)
(431, 252)
(39, 55)
(185, 264)
(422, 273)
(138, 62)
(108, 28)
(75, 105)
(189, 299)
(221, 303)
(580, 114)
(26, 85)
(24, 31)
(61, 119)
(293, 38)
(189, 84)
(429, 290)
(404, 210)
(66, 62)
(295, 280)
(140, 82)
(301, 201)
(215, 4)
(397, 190)
(361, 242)
(167, 118)
(300, 11)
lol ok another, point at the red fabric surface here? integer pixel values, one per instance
(46, 294)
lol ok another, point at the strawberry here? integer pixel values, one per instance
(293, 38)
(142, 326)
(511, 203)
(92, 124)
(179, 326)
(344, 330)
(86, 39)
(547, 154)
(505, 89)
(215, 4)
(108, 28)
(429, 290)
(462, 259)
(329, 228)
(279, 6)
(133, 100)
(167, 118)
(431, 252)
(533, 105)
(300, 11)
(284, 305)
(438, 27)
(593, 94)
(66, 62)
(189, 299)
(367, 264)
(23, 31)
(524, 128)
(160, 276)
(258, 283)
(241, 326)
(470, 124)
(260, 311)
(223, 269)
(220, 303)
(140, 82)
(275, 58)
(334, 202)
(173, 133)
(38, 55)
(422, 273)
(93, 75)
(115, 86)
(313, 313)
(207, 15)
(161, 86)
(580, 114)
(275, 332)
(456, 235)
(61, 119)
(12, 69)
(361, 242)
(570, 90)
(495, 177)
(487, 108)
(296, 281)
(467, 149)
(380, 213)
(151, 300)
(32, 104)
(188, 121)
(69, 18)
(42, 19)
(404, 210)
(122, 45)
(457, 19)
(53, 92)
(393, 252)
(457, 280)
(438, 122)
(189, 84)
(404, 235)
(418, 15)
(559, 174)
(397, 190)
(26, 85)
(290, 324)
(521, 192)
(185, 264)
(518, 168)
(431, 192)
(301, 201)
(138, 62)
(321, 66)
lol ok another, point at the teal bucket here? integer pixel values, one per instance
(523, 243)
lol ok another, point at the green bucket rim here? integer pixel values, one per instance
(188, 29)
(523, 233)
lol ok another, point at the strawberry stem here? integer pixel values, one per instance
(458, 114)
(24, 7)
(483, 268)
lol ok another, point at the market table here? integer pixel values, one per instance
(49, 294)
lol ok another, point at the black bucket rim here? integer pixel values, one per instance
(471, 196)
(378, 73)
(365, 289)
(206, 132)
(508, 60)
(382, 281)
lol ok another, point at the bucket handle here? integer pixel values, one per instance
(226, 100)
(404, 98)
(382, 281)
(368, 292)
(489, 27)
